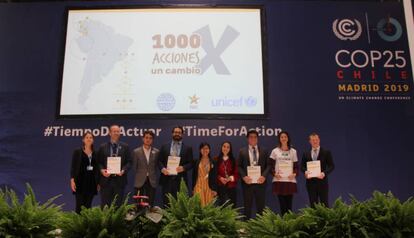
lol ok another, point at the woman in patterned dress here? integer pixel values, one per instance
(205, 175)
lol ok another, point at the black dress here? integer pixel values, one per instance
(86, 180)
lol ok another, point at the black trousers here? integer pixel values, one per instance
(170, 186)
(83, 200)
(111, 190)
(256, 192)
(285, 203)
(318, 192)
(226, 194)
(146, 190)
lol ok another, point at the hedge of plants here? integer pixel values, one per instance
(383, 215)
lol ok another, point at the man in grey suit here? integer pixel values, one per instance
(146, 167)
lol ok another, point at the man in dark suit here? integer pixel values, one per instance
(146, 167)
(113, 184)
(317, 187)
(253, 155)
(171, 183)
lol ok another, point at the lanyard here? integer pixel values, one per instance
(90, 159)
(204, 164)
(225, 167)
(89, 156)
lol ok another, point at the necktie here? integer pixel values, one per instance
(114, 149)
(254, 156)
(314, 154)
(175, 149)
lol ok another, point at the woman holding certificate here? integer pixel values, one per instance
(284, 164)
(84, 173)
(204, 176)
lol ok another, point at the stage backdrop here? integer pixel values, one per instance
(341, 69)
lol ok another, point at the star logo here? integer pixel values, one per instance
(194, 99)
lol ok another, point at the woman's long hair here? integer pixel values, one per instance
(230, 154)
(84, 136)
(279, 144)
(202, 144)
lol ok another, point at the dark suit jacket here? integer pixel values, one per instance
(186, 160)
(327, 165)
(212, 174)
(142, 167)
(104, 152)
(77, 172)
(243, 161)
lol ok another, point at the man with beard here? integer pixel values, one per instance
(174, 150)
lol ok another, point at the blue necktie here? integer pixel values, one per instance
(254, 156)
(175, 148)
(114, 149)
(314, 154)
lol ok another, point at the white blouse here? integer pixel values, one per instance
(281, 155)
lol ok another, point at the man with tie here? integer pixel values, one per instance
(318, 186)
(146, 167)
(175, 150)
(118, 154)
(253, 158)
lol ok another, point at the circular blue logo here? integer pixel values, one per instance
(389, 29)
(165, 101)
(250, 101)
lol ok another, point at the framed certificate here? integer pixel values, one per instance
(284, 168)
(113, 165)
(313, 168)
(254, 173)
(172, 164)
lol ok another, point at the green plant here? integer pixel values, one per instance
(388, 217)
(108, 222)
(28, 218)
(149, 228)
(381, 216)
(185, 217)
(341, 220)
(270, 224)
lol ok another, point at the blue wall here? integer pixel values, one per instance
(370, 140)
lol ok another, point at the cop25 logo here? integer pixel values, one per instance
(347, 29)
(388, 29)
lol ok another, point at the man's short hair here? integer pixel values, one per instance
(112, 125)
(179, 127)
(252, 132)
(151, 133)
(313, 134)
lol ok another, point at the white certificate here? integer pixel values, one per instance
(285, 169)
(172, 164)
(313, 168)
(254, 173)
(113, 165)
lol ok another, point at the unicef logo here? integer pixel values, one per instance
(347, 29)
(165, 102)
(389, 29)
(250, 101)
